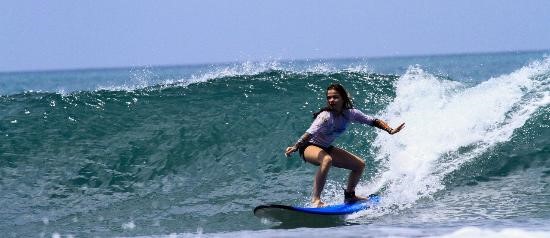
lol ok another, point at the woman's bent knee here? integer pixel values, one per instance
(360, 166)
(326, 160)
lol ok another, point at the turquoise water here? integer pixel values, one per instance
(191, 150)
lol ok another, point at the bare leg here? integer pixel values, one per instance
(320, 179)
(354, 177)
(318, 156)
(347, 160)
(339, 158)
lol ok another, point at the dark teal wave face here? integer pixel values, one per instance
(176, 156)
(528, 148)
(88, 146)
(117, 134)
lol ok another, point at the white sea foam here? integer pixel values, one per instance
(139, 79)
(360, 68)
(468, 232)
(448, 124)
(320, 68)
(243, 69)
(373, 231)
(129, 225)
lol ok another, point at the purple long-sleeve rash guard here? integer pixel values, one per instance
(328, 125)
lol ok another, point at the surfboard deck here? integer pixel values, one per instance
(317, 215)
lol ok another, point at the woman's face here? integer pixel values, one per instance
(334, 100)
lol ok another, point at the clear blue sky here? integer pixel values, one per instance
(68, 34)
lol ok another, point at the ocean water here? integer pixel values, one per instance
(189, 151)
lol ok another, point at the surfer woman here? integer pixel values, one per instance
(315, 145)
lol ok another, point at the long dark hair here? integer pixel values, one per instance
(343, 93)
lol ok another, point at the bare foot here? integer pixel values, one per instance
(317, 203)
(361, 197)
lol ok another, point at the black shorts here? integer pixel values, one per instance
(303, 148)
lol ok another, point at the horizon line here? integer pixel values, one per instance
(198, 64)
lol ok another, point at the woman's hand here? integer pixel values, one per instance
(290, 150)
(393, 131)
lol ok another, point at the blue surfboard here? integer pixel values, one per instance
(331, 213)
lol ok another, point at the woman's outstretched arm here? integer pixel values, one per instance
(384, 126)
